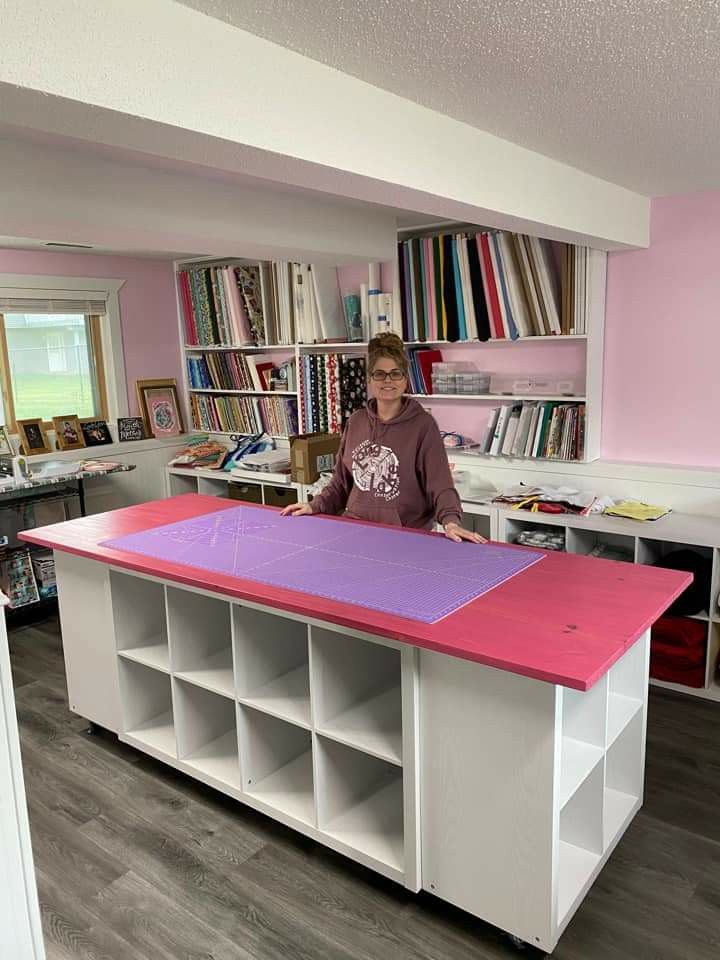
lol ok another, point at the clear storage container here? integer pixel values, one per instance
(459, 377)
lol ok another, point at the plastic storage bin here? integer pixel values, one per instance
(459, 378)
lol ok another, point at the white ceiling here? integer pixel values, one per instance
(628, 90)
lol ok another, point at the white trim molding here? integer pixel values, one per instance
(24, 285)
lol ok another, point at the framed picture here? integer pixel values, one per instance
(158, 401)
(6, 444)
(95, 432)
(68, 432)
(33, 438)
(130, 428)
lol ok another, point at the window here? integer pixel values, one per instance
(61, 348)
(51, 363)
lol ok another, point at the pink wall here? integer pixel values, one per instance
(148, 310)
(662, 339)
(351, 276)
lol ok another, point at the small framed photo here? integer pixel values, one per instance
(68, 432)
(160, 409)
(95, 432)
(33, 438)
(6, 444)
(130, 428)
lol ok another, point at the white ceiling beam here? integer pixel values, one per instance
(48, 193)
(239, 103)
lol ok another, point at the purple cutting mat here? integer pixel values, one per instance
(370, 566)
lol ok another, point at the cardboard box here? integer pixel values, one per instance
(312, 454)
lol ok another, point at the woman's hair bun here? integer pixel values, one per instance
(386, 340)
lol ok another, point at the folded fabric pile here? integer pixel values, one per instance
(547, 539)
(677, 651)
(636, 510)
(201, 452)
(246, 446)
(545, 499)
(269, 461)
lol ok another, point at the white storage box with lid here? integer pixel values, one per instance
(542, 385)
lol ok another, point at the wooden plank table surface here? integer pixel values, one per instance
(565, 620)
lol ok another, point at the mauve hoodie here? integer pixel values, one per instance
(392, 471)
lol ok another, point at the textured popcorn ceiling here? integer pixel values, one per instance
(628, 90)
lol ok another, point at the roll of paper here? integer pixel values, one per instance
(374, 276)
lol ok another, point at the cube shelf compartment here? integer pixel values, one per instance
(207, 733)
(623, 777)
(277, 763)
(147, 707)
(361, 803)
(584, 717)
(199, 629)
(611, 546)
(556, 531)
(139, 620)
(627, 691)
(178, 483)
(478, 523)
(581, 840)
(212, 487)
(357, 693)
(271, 662)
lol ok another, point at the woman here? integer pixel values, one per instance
(392, 466)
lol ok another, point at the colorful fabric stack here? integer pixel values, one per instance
(332, 388)
(222, 305)
(491, 285)
(276, 416)
(201, 452)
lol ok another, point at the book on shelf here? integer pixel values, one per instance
(493, 285)
(535, 428)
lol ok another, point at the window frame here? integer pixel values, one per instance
(94, 327)
(106, 333)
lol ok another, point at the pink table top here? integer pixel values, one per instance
(565, 620)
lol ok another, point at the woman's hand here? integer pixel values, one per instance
(453, 531)
(296, 510)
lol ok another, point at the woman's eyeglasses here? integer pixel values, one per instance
(380, 376)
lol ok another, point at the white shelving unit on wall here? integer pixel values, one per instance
(578, 354)
(641, 543)
(574, 354)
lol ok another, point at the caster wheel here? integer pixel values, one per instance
(517, 942)
(92, 729)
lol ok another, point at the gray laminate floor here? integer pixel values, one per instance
(136, 862)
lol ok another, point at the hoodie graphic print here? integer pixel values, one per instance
(376, 469)
(392, 471)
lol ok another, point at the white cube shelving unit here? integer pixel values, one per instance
(311, 724)
(601, 771)
(643, 543)
(510, 791)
